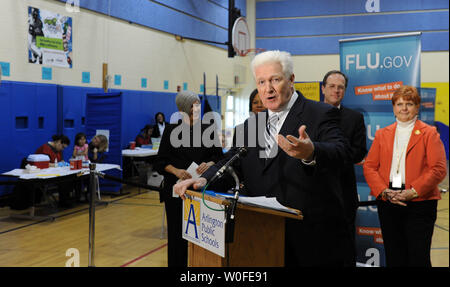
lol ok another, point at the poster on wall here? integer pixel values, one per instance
(49, 38)
(310, 90)
(376, 67)
(427, 105)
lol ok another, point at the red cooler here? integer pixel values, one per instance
(39, 160)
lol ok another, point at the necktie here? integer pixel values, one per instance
(269, 135)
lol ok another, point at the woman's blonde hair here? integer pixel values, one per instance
(103, 145)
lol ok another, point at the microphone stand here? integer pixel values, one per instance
(94, 190)
(231, 209)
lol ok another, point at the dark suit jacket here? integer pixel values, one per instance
(155, 132)
(319, 239)
(352, 124)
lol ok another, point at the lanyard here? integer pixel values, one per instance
(399, 156)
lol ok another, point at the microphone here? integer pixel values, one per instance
(230, 210)
(242, 151)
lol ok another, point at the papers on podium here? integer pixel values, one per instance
(267, 202)
(259, 201)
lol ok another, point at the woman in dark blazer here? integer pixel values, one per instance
(173, 162)
(160, 125)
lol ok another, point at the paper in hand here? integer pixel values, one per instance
(192, 169)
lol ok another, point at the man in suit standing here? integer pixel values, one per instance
(352, 124)
(301, 172)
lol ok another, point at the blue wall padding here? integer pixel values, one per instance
(104, 112)
(214, 102)
(201, 19)
(295, 8)
(140, 108)
(315, 27)
(431, 41)
(73, 108)
(370, 23)
(31, 101)
(443, 131)
(6, 129)
(53, 104)
(203, 9)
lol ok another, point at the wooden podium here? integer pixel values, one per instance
(258, 238)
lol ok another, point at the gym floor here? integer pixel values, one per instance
(128, 232)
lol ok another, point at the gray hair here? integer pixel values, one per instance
(185, 100)
(284, 58)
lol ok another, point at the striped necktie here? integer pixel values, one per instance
(269, 136)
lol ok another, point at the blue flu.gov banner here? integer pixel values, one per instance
(376, 67)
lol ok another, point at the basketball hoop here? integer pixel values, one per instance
(241, 38)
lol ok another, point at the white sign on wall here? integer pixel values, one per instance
(49, 38)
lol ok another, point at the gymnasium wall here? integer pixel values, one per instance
(136, 42)
(314, 27)
(131, 50)
(310, 31)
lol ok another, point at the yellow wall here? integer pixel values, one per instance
(309, 90)
(442, 101)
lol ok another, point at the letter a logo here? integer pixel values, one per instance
(193, 217)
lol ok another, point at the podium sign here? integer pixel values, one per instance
(204, 226)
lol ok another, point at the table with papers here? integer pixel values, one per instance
(139, 152)
(48, 176)
(138, 161)
(53, 172)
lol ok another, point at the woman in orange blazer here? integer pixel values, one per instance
(403, 168)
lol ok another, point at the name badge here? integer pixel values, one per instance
(397, 180)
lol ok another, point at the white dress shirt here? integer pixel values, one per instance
(282, 115)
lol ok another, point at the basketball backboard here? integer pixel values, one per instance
(241, 38)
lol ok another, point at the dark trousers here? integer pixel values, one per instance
(317, 244)
(407, 232)
(351, 254)
(177, 247)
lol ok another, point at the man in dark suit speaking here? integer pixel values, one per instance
(352, 124)
(301, 173)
